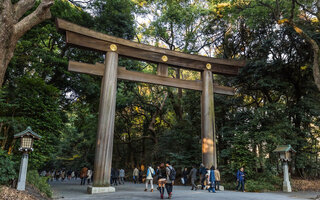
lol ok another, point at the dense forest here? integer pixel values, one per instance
(276, 101)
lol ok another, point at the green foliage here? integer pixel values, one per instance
(181, 145)
(260, 183)
(7, 169)
(41, 183)
(114, 17)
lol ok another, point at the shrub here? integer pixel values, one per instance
(259, 186)
(261, 183)
(7, 169)
(41, 183)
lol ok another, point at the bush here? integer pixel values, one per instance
(259, 186)
(261, 183)
(7, 169)
(41, 183)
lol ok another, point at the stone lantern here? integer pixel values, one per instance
(285, 152)
(27, 137)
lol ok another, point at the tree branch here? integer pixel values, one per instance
(315, 49)
(40, 14)
(305, 8)
(21, 7)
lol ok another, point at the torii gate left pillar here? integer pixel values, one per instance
(104, 142)
(208, 134)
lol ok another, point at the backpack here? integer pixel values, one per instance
(154, 173)
(173, 173)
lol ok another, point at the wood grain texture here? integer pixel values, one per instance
(207, 110)
(124, 74)
(79, 36)
(105, 134)
(162, 70)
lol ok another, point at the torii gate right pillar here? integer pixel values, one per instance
(208, 139)
(104, 143)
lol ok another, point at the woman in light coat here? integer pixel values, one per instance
(149, 178)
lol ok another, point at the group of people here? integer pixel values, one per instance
(164, 175)
(117, 176)
(60, 175)
(86, 175)
(210, 176)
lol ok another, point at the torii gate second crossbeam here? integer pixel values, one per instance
(113, 46)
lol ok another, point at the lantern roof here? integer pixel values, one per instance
(284, 148)
(28, 132)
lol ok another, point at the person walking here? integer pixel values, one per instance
(52, 175)
(135, 175)
(162, 179)
(203, 172)
(185, 176)
(149, 178)
(170, 171)
(217, 176)
(63, 175)
(69, 172)
(122, 175)
(114, 176)
(89, 175)
(83, 175)
(57, 175)
(193, 176)
(212, 180)
(140, 176)
(73, 175)
(240, 179)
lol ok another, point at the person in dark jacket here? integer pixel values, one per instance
(203, 172)
(170, 181)
(212, 180)
(193, 176)
(185, 176)
(162, 179)
(240, 179)
(113, 176)
(140, 176)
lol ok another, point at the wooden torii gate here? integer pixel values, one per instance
(112, 47)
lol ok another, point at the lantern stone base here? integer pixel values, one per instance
(286, 186)
(96, 190)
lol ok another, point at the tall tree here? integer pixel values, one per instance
(12, 28)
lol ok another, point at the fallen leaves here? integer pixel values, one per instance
(305, 185)
(7, 193)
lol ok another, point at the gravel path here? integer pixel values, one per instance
(72, 190)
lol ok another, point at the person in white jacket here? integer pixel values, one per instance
(89, 175)
(149, 178)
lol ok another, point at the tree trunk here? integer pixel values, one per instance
(11, 29)
(315, 50)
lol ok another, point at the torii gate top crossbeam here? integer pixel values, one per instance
(84, 37)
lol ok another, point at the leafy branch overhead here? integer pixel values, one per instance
(12, 27)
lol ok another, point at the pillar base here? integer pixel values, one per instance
(96, 190)
(221, 188)
(286, 186)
